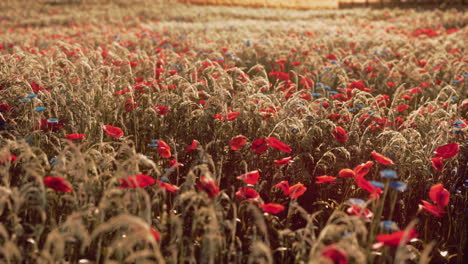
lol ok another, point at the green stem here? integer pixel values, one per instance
(378, 208)
(392, 202)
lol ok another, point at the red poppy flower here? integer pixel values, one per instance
(76, 136)
(382, 159)
(167, 186)
(362, 169)
(158, 72)
(447, 151)
(137, 181)
(232, 116)
(439, 195)
(325, 179)
(161, 110)
(209, 186)
(334, 117)
(247, 194)
(6, 108)
(250, 177)
(174, 164)
(297, 190)
(414, 90)
(424, 85)
(124, 91)
(401, 108)
(218, 117)
(259, 146)
(357, 85)
(113, 131)
(346, 173)
(306, 82)
(164, 150)
(433, 209)
(284, 185)
(272, 208)
(37, 87)
(421, 63)
(8, 158)
(340, 134)
(360, 211)
(155, 234)
(337, 256)
(331, 56)
(130, 105)
(437, 163)
(407, 97)
(306, 96)
(275, 143)
(364, 184)
(237, 142)
(395, 239)
(58, 184)
(282, 76)
(283, 161)
(45, 125)
(192, 146)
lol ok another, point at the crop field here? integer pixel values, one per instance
(160, 132)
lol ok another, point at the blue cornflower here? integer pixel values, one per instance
(40, 109)
(399, 186)
(388, 174)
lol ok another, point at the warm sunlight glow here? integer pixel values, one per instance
(300, 4)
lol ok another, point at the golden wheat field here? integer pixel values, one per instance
(298, 4)
(149, 131)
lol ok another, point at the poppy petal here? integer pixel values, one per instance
(164, 149)
(346, 173)
(272, 208)
(325, 179)
(397, 238)
(232, 116)
(340, 134)
(283, 161)
(438, 164)
(247, 194)
(113, 131)
(155, 234)
(297, 190)
(167, 186)
(137, 181)
(192, 146)
(259, 146)
(439, 195)
(275, 143)
(250, 177)
(336, 255)
(58, 184)
(362, 169)
(447, 151)
(284, 185)
(237, 143)
(382, 159)
(432, 209)
(76, 136)
(209, 186)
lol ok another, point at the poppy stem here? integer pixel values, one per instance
(392, 202)
(379, 205)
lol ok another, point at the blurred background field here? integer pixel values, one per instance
(292, 4)
(298, 4)
(319, 4)
(216, 83)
